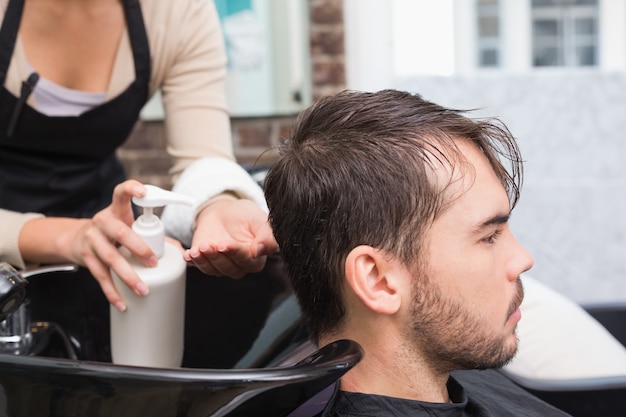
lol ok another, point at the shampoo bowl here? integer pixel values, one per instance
(32, 386)
(240, 339)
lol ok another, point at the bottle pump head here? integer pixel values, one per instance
(148, 225)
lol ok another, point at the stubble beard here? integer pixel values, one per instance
(451, 336)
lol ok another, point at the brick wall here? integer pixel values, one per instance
(254, 139)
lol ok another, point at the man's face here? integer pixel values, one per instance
(466, 298)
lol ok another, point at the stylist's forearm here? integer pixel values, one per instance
(51, 239)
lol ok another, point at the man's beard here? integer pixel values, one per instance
(454, 337)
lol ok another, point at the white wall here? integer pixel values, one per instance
(368, 40)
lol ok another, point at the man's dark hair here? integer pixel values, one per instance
(359, 170)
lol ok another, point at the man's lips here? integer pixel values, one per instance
(516, 315)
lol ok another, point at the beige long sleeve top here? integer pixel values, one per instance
(188, 66)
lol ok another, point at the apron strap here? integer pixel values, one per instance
(8, 35)
(138, 38)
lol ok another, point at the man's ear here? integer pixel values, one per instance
(370, 276)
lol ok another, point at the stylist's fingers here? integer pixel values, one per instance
(108, 229)
(202, 257)
(106, 257)
(243, 257)
(117, 231)
(230, 259)
(122, 195)
(102, 275)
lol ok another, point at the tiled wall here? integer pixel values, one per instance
(254, 139)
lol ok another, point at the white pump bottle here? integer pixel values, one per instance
(150, 332)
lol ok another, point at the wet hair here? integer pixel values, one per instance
(358, 169)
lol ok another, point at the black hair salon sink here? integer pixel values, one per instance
(238, 339)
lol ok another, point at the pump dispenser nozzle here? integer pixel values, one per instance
(148, 225)
(158, 197)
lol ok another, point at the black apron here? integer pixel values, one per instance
(66, 166)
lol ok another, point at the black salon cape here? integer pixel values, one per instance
(473, 394)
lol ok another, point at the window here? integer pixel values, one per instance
(565, 32)
(488, 33)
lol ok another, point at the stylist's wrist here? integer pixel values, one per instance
(52, 239)
(212, 205)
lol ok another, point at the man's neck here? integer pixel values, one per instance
(399, 372)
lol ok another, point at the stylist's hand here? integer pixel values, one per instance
(232, 238)
(94, 244)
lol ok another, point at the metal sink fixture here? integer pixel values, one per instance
(18, 335)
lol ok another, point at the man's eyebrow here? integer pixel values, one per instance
(491, 221)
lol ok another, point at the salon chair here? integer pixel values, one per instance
(587, 397)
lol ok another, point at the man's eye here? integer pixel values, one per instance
(492, 238)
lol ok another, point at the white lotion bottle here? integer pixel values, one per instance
(150, 332)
